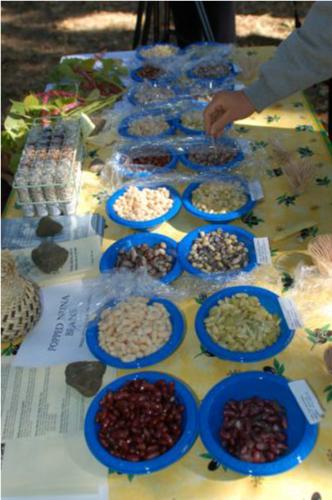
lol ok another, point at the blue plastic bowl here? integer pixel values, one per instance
(195, 106)
(140, 52)
(123, 128)
(268, 300)
(190, 73)
(221, 218)
(184, 158)
(147, 173)
(244, 236)
(133, 99)
(164, 78)
(177, 335)
(301, 436)
(109, 257)
(183, 445)
(143, 225)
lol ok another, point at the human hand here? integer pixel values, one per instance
(225, 108)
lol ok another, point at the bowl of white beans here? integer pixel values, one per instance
(244, 324)
(143, 208)
(158, 51)
(147, 125)
(136, 332)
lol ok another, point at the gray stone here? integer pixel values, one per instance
(85, 376)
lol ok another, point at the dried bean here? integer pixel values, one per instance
(212, 155)
(155, 259)
(249, 442)
(150, 72)
(141, 434)
(211, 70)
(218, 251)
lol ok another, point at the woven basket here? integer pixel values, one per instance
(320, 250)
(20, 301)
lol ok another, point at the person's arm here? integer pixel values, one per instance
(303, 59)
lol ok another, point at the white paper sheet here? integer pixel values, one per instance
(59, 336)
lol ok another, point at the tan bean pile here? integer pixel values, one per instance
(241, 323)
(159, 51)
(218, 197)
(149, 125)
(143, 204)
(133, 329)
(218, 251)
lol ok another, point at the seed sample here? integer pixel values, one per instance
(254, 430)
(218, 251)
(241, 323)
(155, 259)
(140, 421)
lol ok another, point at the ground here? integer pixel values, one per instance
(36, 34)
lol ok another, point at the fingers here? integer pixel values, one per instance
(218, 126)
(211, 112)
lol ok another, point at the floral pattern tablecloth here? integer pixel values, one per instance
(289, 221)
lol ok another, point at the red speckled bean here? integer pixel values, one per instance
(253, 430)
(140, 421)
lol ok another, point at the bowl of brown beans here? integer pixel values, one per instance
(154, 252)
(152, 73)
(225, 154)
(217, 251)
(142, 423)
(212, 70)
(251, 423)
(135, 162)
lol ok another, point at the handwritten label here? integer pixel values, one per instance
(290, 312)
(307, 401)
(255, 190)
(262, 250)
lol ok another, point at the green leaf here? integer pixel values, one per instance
(328, 388)
(30, 102)
(206, 455)
(279, 367)
(94, 95)
(130, 477)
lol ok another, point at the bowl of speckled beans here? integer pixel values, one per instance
(217, 251)
(206, 156)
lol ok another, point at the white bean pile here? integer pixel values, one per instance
(143, 204)
(241, 323)
(149, 125)
(218, 197)
(193, 119)
(133, 329)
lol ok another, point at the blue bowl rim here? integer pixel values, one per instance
(123, 127)
(141, 49)
(183, 158)
(234, 214)
(135, 239)
(145, 173)
(192, 235)
(282, 464)
(182, 446)
(143, 225)
(285, 337)
(174, 342)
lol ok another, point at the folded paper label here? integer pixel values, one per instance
(290, 312)
(262, 249)
(307, 401)
(255, 190)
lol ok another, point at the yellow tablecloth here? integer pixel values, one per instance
(295, 126)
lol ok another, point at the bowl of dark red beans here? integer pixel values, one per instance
(135, 162)
(251, 423)
(142, 423)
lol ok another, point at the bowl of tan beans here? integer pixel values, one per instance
(143, 208)
(219, 201)
(243, 323)
(135, 332)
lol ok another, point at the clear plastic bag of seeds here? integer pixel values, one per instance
(149, 93)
